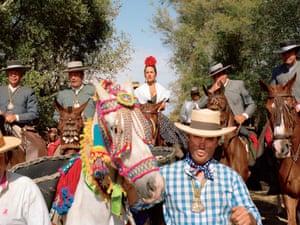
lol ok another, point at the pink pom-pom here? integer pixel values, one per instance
(150, 61)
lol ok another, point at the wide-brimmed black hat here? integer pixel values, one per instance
(287, 45)
(217, 68)
(13, 65)
(75, 66)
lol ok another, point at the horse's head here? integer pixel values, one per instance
(127, 136)
(282, 115)
(217, 101)
(70, 126)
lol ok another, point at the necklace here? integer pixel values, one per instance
(11, 96)
(76, 94)
(197, 205)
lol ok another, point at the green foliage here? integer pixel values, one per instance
(47, 34)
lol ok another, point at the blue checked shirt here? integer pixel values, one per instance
(219, 196)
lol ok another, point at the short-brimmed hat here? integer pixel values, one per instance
(195, 91)
(286, 46)
(14, 65)
(217, 68)
(8, 142)
(75, 66)
(205, 123)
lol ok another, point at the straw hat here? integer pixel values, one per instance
(75, 66)
(215, 69)
(205, 123)
(8, 142)
(13, 65)
(286, 46)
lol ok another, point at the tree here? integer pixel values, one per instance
(47, 34)
(241, 33)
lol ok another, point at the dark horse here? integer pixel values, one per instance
(32, 147)
(285, 125)
(70, 127)
(164, 131)
(233, 152)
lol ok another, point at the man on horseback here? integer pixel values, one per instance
(78, 93)
(239, 99)
(189, 105)
(74, 97)
(18, 104)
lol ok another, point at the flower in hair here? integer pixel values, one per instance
(150, 61)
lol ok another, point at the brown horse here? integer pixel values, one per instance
(32, 146)
(164, 131)
(70, 127)
(285, 125)
(233, 152)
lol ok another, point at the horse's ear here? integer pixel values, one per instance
(102, 93)
(58, 106)
(290, 83)
(80, 109)
(265, 86)
(205, 90)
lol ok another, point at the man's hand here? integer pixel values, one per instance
(240, 119)
(10, 117)
(240, 216)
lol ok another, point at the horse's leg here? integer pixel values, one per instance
(290, 206)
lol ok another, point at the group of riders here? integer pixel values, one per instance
(18, 104)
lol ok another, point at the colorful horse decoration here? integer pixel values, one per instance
(234, 152)
(285, 126)
(115, 150)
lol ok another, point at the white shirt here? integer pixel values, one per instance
(143, 93)
(21, 202)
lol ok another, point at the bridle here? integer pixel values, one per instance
(118, 140)
(290, 118)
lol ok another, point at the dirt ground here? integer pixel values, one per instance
(268, 207)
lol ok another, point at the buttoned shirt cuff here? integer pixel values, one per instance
(246, 115)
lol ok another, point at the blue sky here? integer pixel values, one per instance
(135, 20)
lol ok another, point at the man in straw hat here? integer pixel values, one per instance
(238, 97)
(21, 201)
(78, 93)
(18, 104)
(283, 73)
(199, 189)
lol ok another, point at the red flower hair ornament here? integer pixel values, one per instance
(150, 61)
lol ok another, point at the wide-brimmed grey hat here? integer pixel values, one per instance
(195, 90)
(205, 123)
(13, 65)
(286, 46)
(75, 66)
(217, 68)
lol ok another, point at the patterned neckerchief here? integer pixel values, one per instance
(205, 168)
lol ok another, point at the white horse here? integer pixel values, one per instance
(126, 147)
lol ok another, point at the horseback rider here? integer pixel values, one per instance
(189, 105)
(238, 97)
(75, 96)
(18, 104)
